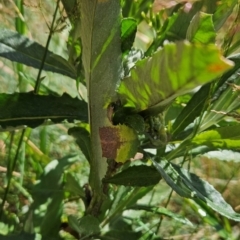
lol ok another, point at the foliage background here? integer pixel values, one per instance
(45, 143)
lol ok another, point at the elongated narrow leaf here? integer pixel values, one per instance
(223, 137)
(31, 110)
(136, 176)
(173, 70)
(226, 103)
(189, 185)
(19, 48)
(201, 29)
(191, 111)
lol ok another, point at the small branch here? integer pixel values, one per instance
(39, 79)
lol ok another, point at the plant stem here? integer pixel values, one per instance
(38, 82)
(101, 57)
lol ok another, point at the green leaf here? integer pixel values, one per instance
(140, 176)
(201, 29)
(19, 48)
(46, 210)
(136, 122)
(226, 103)
(89, 225)
(82, 136)
(222, 137)
(118, 142)
(30, 109)
(74, 223)
(171, 71)
(128, 32)
(189, 185)
(191, 111)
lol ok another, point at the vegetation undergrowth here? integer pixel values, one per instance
(119, 119)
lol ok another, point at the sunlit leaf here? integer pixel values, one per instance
(201, 29)
(19, 48)
(173, 70)
(223, 137)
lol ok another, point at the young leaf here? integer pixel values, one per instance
(189, 185)
(140, 176)
(173, 70)
(201, 29)
(30, 109)
(19, 48)
(118, 142)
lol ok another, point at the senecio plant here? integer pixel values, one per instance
(149, 112)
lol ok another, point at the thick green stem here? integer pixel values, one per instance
(101, 57)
